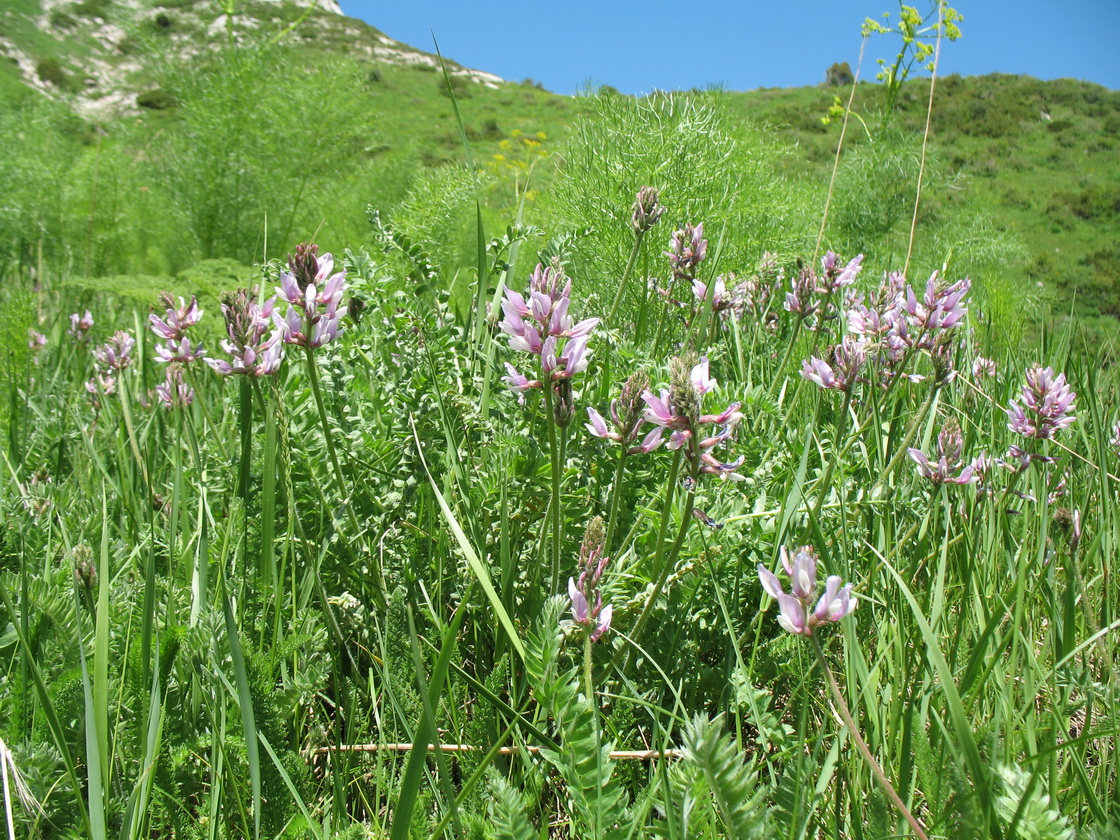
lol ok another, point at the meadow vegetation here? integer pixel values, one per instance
(586, 479)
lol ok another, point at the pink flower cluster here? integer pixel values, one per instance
(1048, 405)
(847, 358)
(896, 322)
(900, 320)
(80, 325)
(587, 599)
(797, 615)
(314, 295)
(254, 349)
(540, 324)
(949, 447)
(112, 357)
(172, 328)
(687, 249)
(667, 411)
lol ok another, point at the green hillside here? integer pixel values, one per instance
(146, 137)
(1038, 157)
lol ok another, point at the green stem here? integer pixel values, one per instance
(587, 686)
(861, 745)
(626, 276)
(131, 430)
(664, 565)
(246, 422)
(616, 492)
(840, 430)
(900, 452)
(554, 507)
(313, 375)
(776, 384)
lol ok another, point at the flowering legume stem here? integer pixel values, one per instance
(861, 745)
(313, 375)
(663, 566)
(626, 276)
(554, 507)
(616, 492)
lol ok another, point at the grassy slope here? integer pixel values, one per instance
(1053, 181)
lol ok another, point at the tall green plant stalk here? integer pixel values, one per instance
(841, 430)
(616, 493)
(245, 424)
(911, 430)
(925, 139)
(588, 686)
(841, 706)
(638, 236)
(328, 435)
(554, 506)
(662, 563)
(130, 429)
(779, 372)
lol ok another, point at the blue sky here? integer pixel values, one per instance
(638, 46)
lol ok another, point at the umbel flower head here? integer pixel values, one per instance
(798, 614)
(1048, 405)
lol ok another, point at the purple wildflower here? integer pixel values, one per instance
(982, 366)
(797, 615)
(36, 340)
(627, 415)
(173, 392)
(176, 320)
(847, 359)
(678, 410)
(254, 351)
(799, 299)
(687, 249)
(717, 293)
(584, 592)
(541, 324)
(314, 294)
(1048, 405)
(115, 354)
(837, 277)
(949, 445)
(80, 325)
